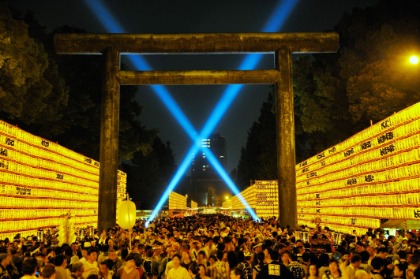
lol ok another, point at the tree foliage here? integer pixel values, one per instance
(377, 78)
(337, 95)
(258, 158)
(59, 97)
(31, 90)
(76, 124)
(148, 174)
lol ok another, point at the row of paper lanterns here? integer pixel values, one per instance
(343, 220)
(18, 191)
(365, 151)
(37, 203)
(397, 171)
(372, 161)
(409, 213)
(334, 191)
(405, 199)
(19, 135)
(401, 118)
(7, 214)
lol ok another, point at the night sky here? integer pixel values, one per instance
(196, 16)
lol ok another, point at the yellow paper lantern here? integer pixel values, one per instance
(126, 214)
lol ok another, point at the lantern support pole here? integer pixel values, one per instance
(130, 230)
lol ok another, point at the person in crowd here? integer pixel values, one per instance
(402, 258)
(260, 264)
(237, 273)
(221, 266)
(139, 265)
(364, 255)
(285, 257)
(209, 246)
(128, 271)
(295, 267)
(194, 271)
(312, 272)
(257, 249)
(201, 235)
(29, 268)
(5, 260)
(91, 265)
(378, 265)
(167, 258)
(273, 268)
(399, 271)
(73, 260)
(333, 271)
(77, 270)
(362, 274)
(48, 272)
(201, 258)
(177, 271)
(354, 265)
(246, 265)
(60, 263)
(203, 271)
(75, 251)
(186, 259)
(157, 255)
(323, 264)
(195, 247)
(210, 267)
(116, 261)
(84, 252)
(150, 265)
(306, 262)
(413, 264)
(105, 269)
(110, 245)
(102, 242)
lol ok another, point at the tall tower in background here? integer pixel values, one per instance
(203, 176)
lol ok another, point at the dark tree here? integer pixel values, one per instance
(59, 97)
(376, 43)
(79, 126)
(148, 174)
(258, 158)
(32, 93)
(337, 95)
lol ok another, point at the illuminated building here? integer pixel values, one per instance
(177, 201)
(206, 184)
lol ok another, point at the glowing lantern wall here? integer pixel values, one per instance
(194, 205)
(261, 196)
(373, 175)
(44, 185)
(177, 201)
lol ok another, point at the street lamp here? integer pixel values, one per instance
(414, 59)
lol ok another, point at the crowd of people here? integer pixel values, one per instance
(213, 247)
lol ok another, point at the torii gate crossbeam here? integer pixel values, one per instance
(113, 45)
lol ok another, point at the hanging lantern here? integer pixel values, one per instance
(126, 214)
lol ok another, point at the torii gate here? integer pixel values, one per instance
(112, 45)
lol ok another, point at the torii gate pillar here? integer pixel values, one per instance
(111, 45)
